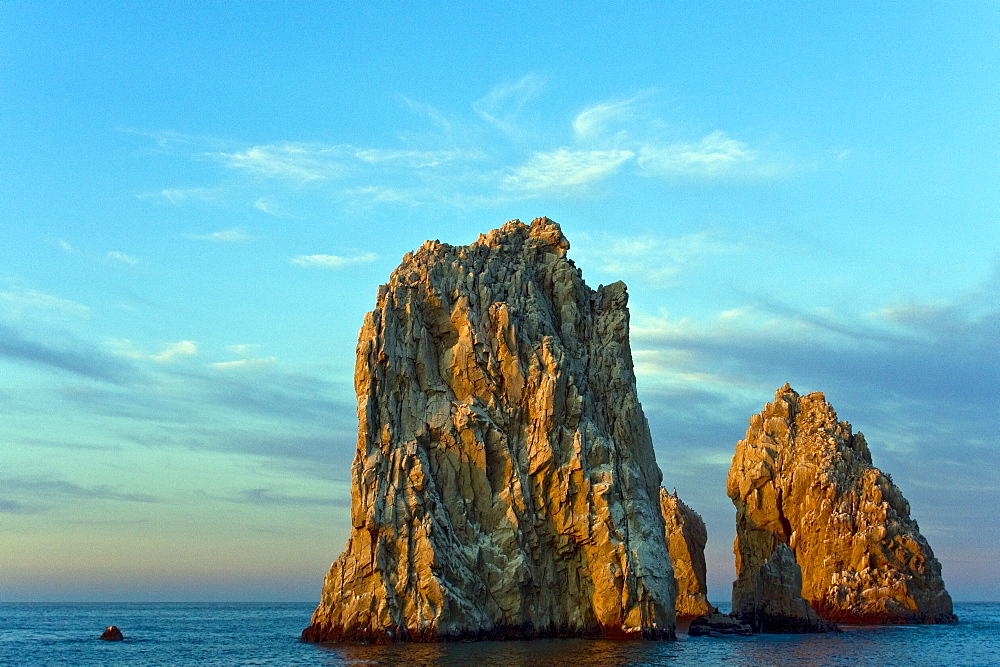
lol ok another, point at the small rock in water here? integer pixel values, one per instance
(112, 634)
(715, 624)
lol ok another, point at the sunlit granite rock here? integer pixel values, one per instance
(504, 483)
(806, 492)
(686, 539)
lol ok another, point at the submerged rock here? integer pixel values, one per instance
(714, 624)
(803, 482)
(504, 483)
(686, 539)
(112, 634)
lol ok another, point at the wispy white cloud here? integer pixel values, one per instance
(658, 261)
(174, 351)
(412, 159)
(438, 119)
(333, 261)
(234, 235)
(116, 256)
(18, 302)
(111, 256)
(370, 195)
(564, 171)
(267, 205)
(169, 353)
(179, 196)
(503, 104)
(290, 160)
(247, 361)
(715, 155)
(455, 163)
(244, 364)
(244, 349)
(595, 120)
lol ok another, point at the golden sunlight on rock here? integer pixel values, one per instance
(504, 483)
(808, 497)
(686, 538)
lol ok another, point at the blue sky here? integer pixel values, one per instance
(200, 200)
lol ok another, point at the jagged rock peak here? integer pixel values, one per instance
(504, 482)
(801, 478)
(544, 230)
(686, 539)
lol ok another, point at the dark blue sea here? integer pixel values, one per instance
(183, 635)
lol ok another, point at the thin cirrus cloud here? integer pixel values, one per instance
(115, 256)
(564, 170)
(333, 261)
(170, 352)
(503, 105)
(598, 120)
(245, 364)
(411, 159)
(291, 161)
(454, 163)
(180, 196)
(716, 155)
(124, 258)
(23, 301)
(658, 261)
(234, 235)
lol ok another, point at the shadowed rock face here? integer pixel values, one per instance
(686, 539)
(776, 604)
(801, 478)
(504, 483)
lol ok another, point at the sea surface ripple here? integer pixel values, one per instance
(183, 635)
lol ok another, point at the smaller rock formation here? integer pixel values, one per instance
(810, 505)
(775, 604)
(715, 624)
(112, 634)
(686, 538)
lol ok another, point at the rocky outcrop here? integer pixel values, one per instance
(804, 486)
(504, 483)
(112, 634)
(715, 624)
(686, 539)
(773, 602)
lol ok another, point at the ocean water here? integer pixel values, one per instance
(183, 635)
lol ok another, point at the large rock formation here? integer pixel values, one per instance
(801, 478)
(686, 539)
(504, 483)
